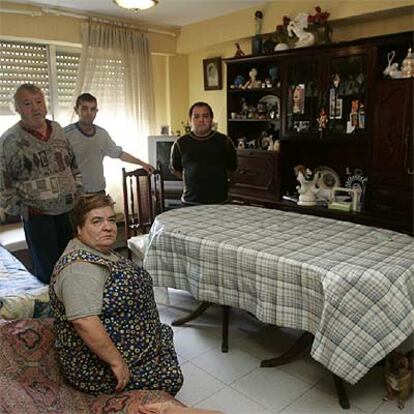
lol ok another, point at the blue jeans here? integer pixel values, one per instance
(46, 237)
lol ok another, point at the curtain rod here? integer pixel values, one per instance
(82, 17)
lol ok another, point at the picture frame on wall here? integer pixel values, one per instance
(165, 129)
(212, 74)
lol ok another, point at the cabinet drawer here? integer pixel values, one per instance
(390, 200)
(255, 170)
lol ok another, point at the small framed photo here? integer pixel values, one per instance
(335, 105)
(165, 130)
(212, 74)
(298, 99)
(338, 109)
(332, 102)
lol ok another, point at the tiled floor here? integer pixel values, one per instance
(234, 383)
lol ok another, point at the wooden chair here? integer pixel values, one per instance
(143, 200)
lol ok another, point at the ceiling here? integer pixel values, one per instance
(167, 12)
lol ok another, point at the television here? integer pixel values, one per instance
(159, 149)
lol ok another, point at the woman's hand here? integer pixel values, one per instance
(93, 333)
(121, 373)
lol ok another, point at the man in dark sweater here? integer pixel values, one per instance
(203, 159)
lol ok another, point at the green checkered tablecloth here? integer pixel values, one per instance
(350, 285)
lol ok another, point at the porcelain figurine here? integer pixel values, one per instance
(241, 143)
(239, 52)
(394, 72)
(252, 82)
(407, 66)
(297, 27)
(307, 189)
(390, 58)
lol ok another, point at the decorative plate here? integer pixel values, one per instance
(357, 180)
(272, 103)
(328, 177)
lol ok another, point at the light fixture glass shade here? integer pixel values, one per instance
(136, 4)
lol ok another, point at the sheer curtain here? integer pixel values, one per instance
(115, 66)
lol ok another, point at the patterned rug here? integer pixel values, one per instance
(31, 383)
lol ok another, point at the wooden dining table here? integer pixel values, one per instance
(349, 286)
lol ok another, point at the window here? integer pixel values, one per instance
(67, 63)
(52, 68)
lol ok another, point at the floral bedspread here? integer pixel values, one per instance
(22, 295)
(31, 383)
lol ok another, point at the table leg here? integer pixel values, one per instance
(225, 328)
(341, 393)
(304, 342)
(195, 314)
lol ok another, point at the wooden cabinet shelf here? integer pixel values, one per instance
(252, 120)
(264, 91)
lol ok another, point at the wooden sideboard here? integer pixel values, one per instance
(369, 126)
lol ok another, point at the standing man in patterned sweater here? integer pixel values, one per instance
(39, 179)
(203, 159)
(91, 144)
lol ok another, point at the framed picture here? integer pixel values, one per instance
(165, 129)
(338, 109)
(298, 99)
(335, 106)
(212, 74)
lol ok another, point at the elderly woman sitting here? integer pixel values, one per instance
(108, 333)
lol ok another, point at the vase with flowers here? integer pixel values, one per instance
(281, 35)
(318, 25)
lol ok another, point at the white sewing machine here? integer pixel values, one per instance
(346, 199)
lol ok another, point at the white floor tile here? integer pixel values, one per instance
(366, 394)
(167, 315)
(198, 385)
(316, 401)
(181, 299)
(264, 341)
(306, 369)
(272, 388)
(231, 402)
(191, 342)
(253, 390)
(227, 367)
(391, 407)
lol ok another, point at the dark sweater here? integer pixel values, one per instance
(204, 163)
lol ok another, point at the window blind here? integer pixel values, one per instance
(66, 69)
(21, 63)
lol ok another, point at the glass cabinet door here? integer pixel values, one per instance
(345, 98)
(253, 102)
(303, 97)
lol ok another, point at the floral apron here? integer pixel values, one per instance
(130, 317)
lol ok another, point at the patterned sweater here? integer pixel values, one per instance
(36, 174)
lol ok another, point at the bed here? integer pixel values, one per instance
(31, 382)
(22, 295)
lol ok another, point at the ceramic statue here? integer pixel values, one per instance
(307, 189)
(297, 27)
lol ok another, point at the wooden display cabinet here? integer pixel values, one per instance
(368, 125)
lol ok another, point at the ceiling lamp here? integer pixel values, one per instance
(136, 4)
